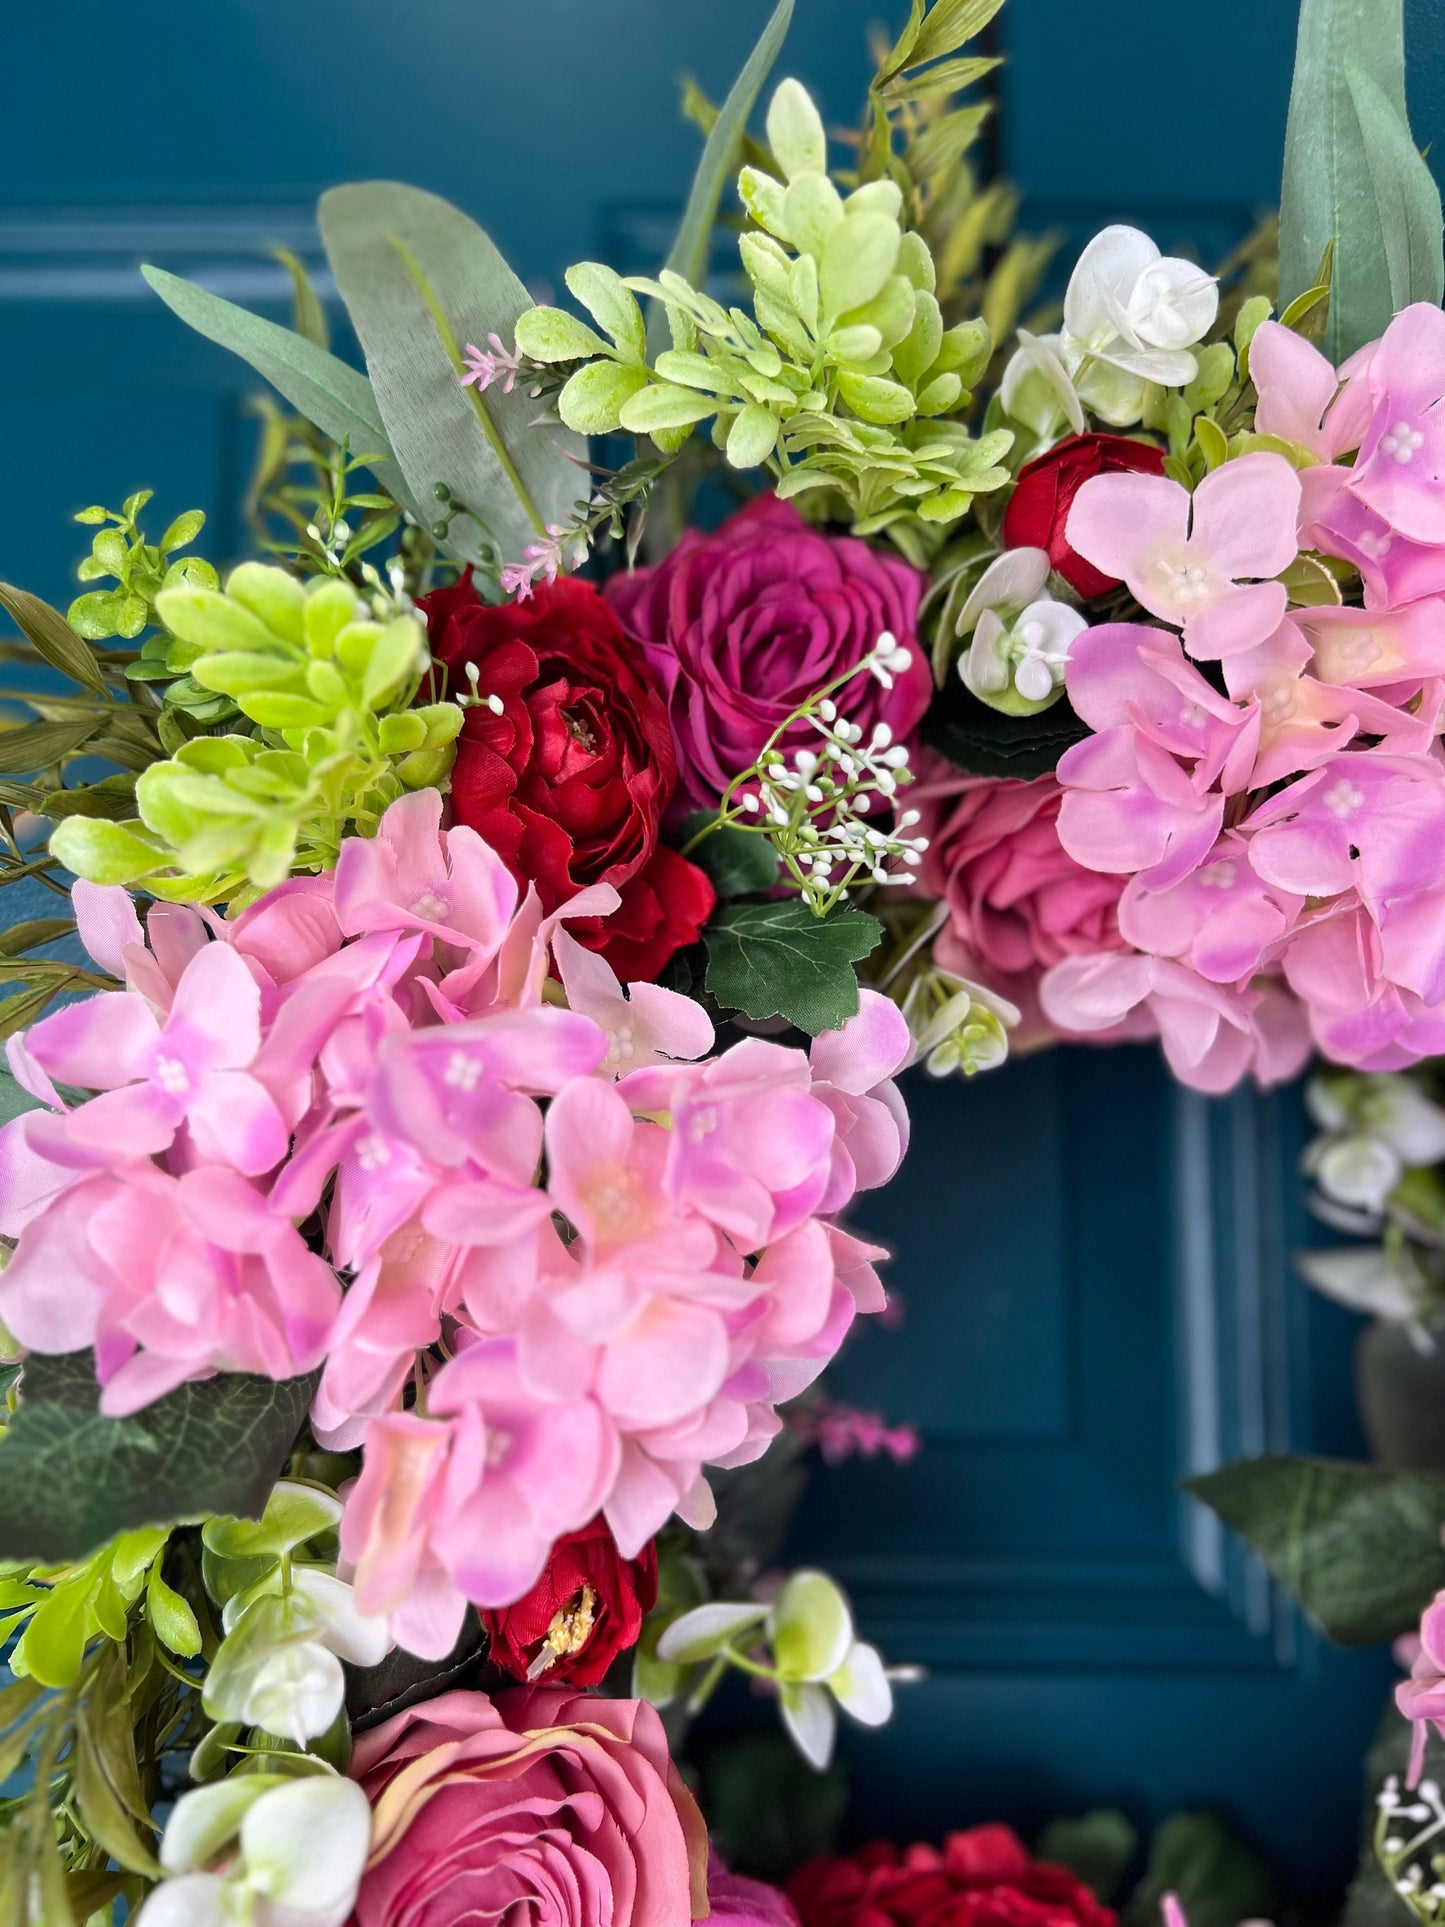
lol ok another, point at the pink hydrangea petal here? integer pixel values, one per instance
(105, 916)
(99, 1044)
(1115, 517)
(1240, 620)
(1245, 512)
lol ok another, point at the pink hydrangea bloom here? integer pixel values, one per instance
(1421, 1697)
(1211, 1034)
(169, 1279)
(1200, 561)
(1399, 472)
(1301, 398)
(1146, 793)
(601, 1256)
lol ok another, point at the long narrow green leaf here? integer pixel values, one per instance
(1353, 175)
(52, 637)
(418, 278)
(327, 392)
(689, 255)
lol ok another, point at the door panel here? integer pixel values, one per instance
(1098, 1301)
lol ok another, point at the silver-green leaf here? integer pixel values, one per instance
(418, 278)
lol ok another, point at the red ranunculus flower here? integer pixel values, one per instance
(981, 1878)
(1039, 506)
(587, 1607)
(569, 781)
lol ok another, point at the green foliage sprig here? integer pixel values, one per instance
(840, 381)
(330, 688)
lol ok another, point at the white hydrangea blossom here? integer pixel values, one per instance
(1021, 635)
(263, 1850)
(1131, 318)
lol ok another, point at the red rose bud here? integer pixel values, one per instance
(587, 1607)
(566, 763)
(1038, 509)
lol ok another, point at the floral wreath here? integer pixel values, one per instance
(479, 986)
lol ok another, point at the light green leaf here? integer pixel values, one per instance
(698, 1634)
(594, 398)
(874, 399)
(948, 26)
(418, 277)
(812, 1627)
(326, 391)
(857, 259)
(795, 131)
(1358, 1546)
(778, 959)
(948, 77)
(752, 437)
(1352, 174)
(105, 852)
(551, 334)
(662, 406)
(71, 1479)
(689, 253)
(307, 314)
(612, 306)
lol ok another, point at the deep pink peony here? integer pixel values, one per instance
(545, 1805)
(1017, 901)
(742, 626)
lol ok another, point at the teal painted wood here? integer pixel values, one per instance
(1095, 1265)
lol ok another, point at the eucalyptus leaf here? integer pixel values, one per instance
(325, 390)
(1357, 1545)
(71, 1479)
(1353, 175)
(418, 277)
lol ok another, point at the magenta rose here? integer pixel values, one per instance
(742, 626)
(1017, 901)
(539, 1804)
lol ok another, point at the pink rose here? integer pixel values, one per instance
(554, 1806)
(742, 626)
(1017, 901)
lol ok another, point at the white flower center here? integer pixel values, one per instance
(1188, 585)
(1342, 799)
(621, 1048)
(1219, 875)
(462, 1073)
(1375, 543)
(372, 1153)
(702, 1123)
(431, 908)
(1278, 705)
(171, 1075)
(1400, 442)
(1360, 649)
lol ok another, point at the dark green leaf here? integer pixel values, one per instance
(113, 797)
(52, 637)
(70, 1479)
(377, 1693)
(779, 960)
(29, 935)
(767, 1810)
(739, 862)
(37, 746)
(1217, 1878)
(1353, 175)
(1097, 1847)
(1358, 1546)
(986, 743)
(1402, 1399)
(418, 277)
(327, 392)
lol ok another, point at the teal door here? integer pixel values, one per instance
(1094, 1265)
